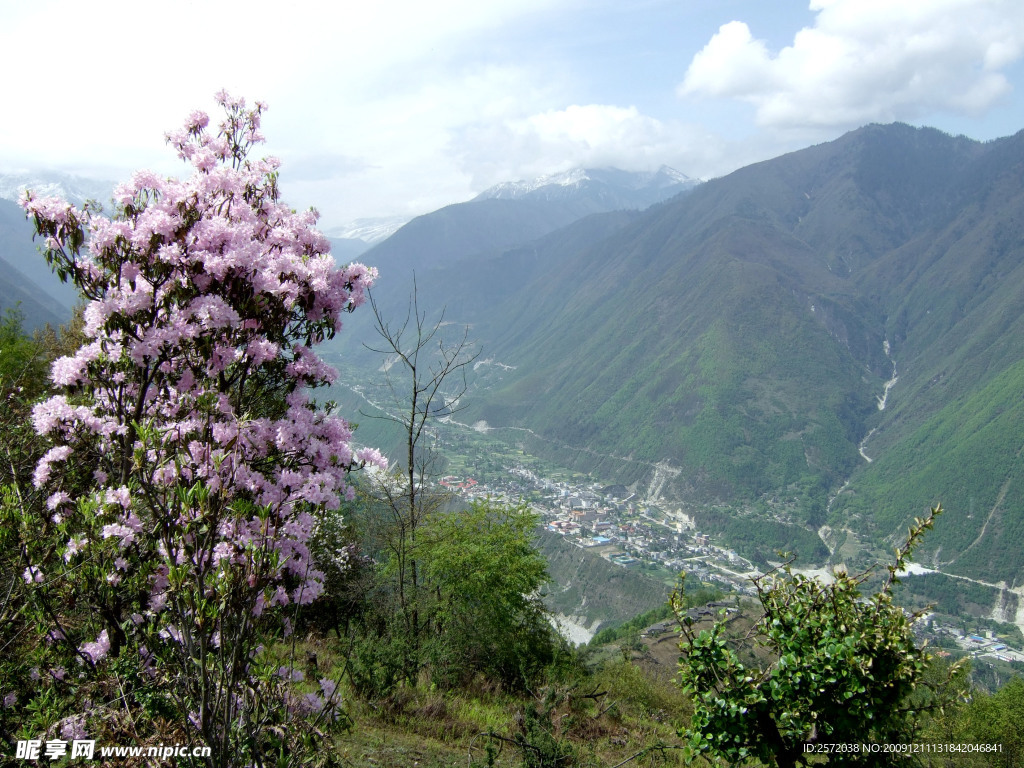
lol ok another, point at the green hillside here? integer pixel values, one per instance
(741, 334)
(969, 456)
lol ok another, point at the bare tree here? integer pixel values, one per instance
(425, 373)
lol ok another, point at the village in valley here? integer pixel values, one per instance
(613, 523)
(636, 528)
(616, 524)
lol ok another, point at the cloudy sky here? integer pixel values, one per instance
(401, 106)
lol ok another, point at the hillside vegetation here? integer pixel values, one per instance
(746, 332)
(194, 551)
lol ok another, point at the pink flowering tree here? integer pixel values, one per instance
(188, 462)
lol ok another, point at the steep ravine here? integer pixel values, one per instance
(590, 593)
(882, 400)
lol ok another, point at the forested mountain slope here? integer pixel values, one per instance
(745, 334)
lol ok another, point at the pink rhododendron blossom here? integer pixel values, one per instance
(67, 371)
(43, 468)
(158, 588)
(54, 635)
(371, 456)
(57, 499)
(328, 687)
(222, 551)
(96, 651)
(120, 496)
(309, 591)
(48, 209)
(72, 728)
(120, 531)
(186, 427)
(75, 545)
(289, 673)
(303, 704)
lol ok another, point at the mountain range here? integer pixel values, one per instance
(577, 192)
(75, 189)
(804, 354)
(812, 349)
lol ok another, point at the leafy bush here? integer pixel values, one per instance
(699, 596)
(486, 574)
(843, 671)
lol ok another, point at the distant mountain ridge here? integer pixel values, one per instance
(728, 349)
(609, 188)
(512, 214)
(74, 189)
(370, 230)
(350, 241)
(583, 190)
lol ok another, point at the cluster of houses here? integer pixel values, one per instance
(459, 484)
(617, 525)
(623, 529)
(982, 645)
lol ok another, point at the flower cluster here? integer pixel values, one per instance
(187, 449)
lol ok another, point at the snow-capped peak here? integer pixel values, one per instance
(632, 189)
(369, 230)
(510, 190)
(74, 189)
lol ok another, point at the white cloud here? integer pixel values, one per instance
(396, 150)
(401, 107)
(105, 80)
(588, 135)
(867, 60)
(320, 166)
